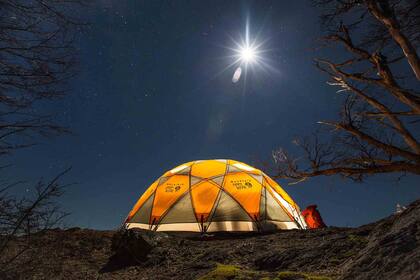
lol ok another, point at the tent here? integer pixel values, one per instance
(215, 195)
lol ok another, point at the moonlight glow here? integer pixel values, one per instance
(246, 51)
(247, 54)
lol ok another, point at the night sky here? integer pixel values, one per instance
(152, 94)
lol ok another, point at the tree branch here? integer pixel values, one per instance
(385, 14)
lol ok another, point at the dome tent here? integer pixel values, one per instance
(215, 195)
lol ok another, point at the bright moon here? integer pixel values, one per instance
(247, 54)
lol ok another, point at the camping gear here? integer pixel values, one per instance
(312, 217)
(215, 195)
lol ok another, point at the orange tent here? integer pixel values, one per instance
(215, 195)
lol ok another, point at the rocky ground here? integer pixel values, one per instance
(387, 249)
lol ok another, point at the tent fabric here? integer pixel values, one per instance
(215, 195)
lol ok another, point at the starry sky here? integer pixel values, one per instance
(154, 91)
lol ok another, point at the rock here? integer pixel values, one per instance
(134, 245)
(392, 251)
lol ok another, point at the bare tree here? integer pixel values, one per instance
(37, 58)
(21, 217)
(378, 74)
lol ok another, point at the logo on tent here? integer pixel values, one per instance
(242, 184)
(172, 188)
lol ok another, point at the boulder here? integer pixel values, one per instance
(131, 246)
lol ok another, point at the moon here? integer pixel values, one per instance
(248, 54)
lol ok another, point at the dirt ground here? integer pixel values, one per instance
(387, 249)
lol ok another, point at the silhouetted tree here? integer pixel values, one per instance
(21, 217)
(37, 57)
(379, 75)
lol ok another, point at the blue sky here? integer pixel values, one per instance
(152, 94)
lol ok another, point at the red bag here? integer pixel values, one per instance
(312, 217)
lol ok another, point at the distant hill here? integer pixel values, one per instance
(387, 249)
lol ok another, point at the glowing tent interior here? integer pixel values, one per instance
(215, 195)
